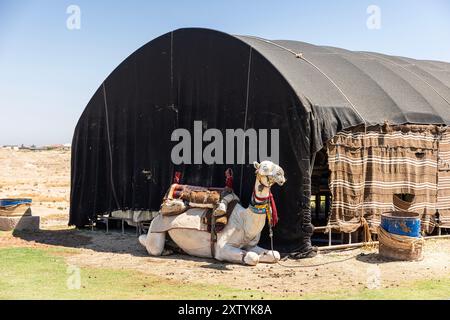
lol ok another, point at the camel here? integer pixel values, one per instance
(238, 241)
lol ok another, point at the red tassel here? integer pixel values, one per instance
(274, 210)
(229, 178)
(177, 177)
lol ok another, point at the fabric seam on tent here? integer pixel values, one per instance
(301, 56)
(410, 71)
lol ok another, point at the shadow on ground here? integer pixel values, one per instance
(115, 242)
(100, 241)
(372, 258)
(65, 238)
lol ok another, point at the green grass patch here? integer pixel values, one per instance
(28, 273)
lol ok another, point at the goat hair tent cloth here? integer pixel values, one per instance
(121, 148)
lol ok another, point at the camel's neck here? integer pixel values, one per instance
(253, 222)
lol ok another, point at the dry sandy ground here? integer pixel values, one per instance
(44, 176)
(345, 270)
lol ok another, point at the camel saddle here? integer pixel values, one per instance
(180, 197)
(195, 194)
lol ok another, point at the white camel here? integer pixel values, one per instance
(237, 242)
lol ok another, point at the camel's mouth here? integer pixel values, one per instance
(281, 182)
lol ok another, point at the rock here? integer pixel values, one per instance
(30, 223)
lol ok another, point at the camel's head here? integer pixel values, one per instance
(269, 173)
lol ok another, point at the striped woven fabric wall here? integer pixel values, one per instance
(443, 193)
(382, 169)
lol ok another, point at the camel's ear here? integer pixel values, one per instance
(256, 165)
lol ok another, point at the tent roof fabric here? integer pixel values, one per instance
(307, 93)
(376, 87)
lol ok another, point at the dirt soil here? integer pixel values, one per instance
(45, 175)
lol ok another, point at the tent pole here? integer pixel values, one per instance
(361, 244)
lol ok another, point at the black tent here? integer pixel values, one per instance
(122, 143)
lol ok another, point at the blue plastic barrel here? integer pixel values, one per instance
(13, 202)
(402, 223)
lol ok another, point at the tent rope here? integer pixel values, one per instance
(302, 266)
(171, 70)
(245, 118)
(109, 146)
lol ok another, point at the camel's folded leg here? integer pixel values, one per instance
(153, 242)
(267, 256)
(236, 255)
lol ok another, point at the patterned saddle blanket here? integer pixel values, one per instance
(209, 206)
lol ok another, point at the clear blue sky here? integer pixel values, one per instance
(48, 73)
